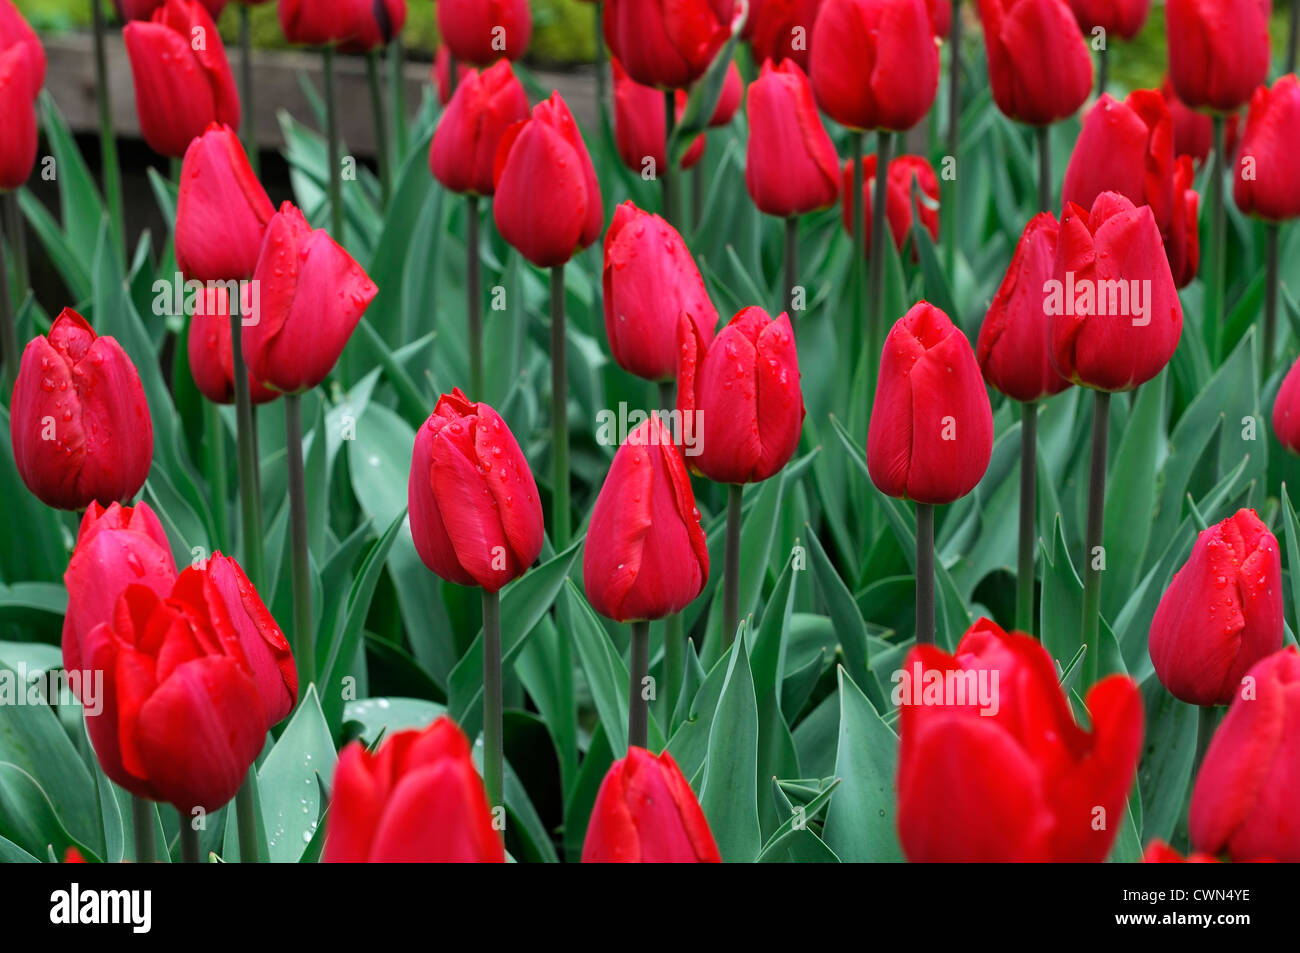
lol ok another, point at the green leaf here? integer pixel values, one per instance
(729, 791)
(287, 780)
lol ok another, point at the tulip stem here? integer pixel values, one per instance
(876, 272)
(791, 263)
(1096, 509)
(666, 173)
(189, 839)
(954, 138)
(560, 522)
(246, 817)
(246, 89)
(602, 59)
(674, 642)
(304, 649)
(1103, 71)
(473, 300)
(731, 569)
(397, 87)
(1044, 135)
(859, 283)
(453, 77)
(18, 247)
(1215, 276)
(925, 573)
(142, 824)
(250, 490)
(107, 138)
(493, 757)
(1270, 300)
(217, 479)
(332, 135)
(1028, 529)
(381, 127)
(638, 710)
(8, 329)
(1206, 719)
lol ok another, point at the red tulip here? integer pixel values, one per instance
(1012, 347)
(73, 856)
(548, 203)
(649, 281)
(312, 297)
(117, 546)
(1158, 852)
(15, 31)
(1194, 131)
(1021, 781)
(183, 82)
(441, 73)
(354, 26)
(1182, 239)
(782, 29)
(465, 143)
(181, 719)
(667, 44)
(744, 390)
(875, 64)
(144, 9)
(1286, 410)
(1267, 180)
(18, 145)
(645, 555)
(1222, 612)
(940, 18)
(733, 91)
(791, 167)
(1039, 65)
(931, 430)
(1120, 19)
(900, 197)
(79, 420)
(1243, 803)
(222, 210)
(476, 516)
(639, 124)
(483, 31)
(417, 799)
(211, 359)
(1218, 50)
(1114, 317)
(646, 813)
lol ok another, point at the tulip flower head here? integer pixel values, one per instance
(1039, 65)
(667, 44)
(353, 26)
(1218, 51)
(483, 31)
(640, 127)
(211, 357)
(778, 30)
(1119, 19)
(1267, 179)
(1286, 410)
(463, 153)
(791, 167)
(22, 74)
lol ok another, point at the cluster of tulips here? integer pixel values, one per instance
(197, 671)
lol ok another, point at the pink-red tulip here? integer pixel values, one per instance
(782, 29)
(483, 31)
(464, 149)
(1039, 65)
(667, 44)
(791, 167)
(1286, 410)
(733, 91)
(15, 31)
(441, 73)
(354, 26)
(640, 125)
(1267, 180)
(1218, 51)
(18, 144)
(1183, 238)
(1120, 19)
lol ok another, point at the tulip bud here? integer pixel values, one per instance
(646, 813)
(733, 91)
(931, 431)
(667, 44)
(645, 556)
(1286, 410)
(1114, 317)
(1022, 782)
(548, 203)
(1222, 612)
(183, 82)
(1243, 803)
(912, 184)
(211, 359)
(1012, 346)
(791, 167)
(1218, 51)
(1118, 19)
(180, 719)
(744, 389)
(18, 145)
(15, 31)
(483, 31)
(649, 281)
(476, 516)
(441, 74)
(1039, 65)
(1182, 239)
(782, 29)
(354, 26)
(221, 211)
(417, 799)
(639, 125)
(1267, 180)
(79, 421)
(312, 295)
(144, 9)
(465, 143)
(875, 64)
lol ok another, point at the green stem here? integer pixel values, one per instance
(1207, 717)
(666, 174)
(453, 77)
(304, 648)
(924, 573)
(381, 127)
(397, 88)
(1044, 136)
(250, 490)
(560, 518)
(1028, 530)
(1215, 275)
(18, 240)
(246, 88)
(859, 282)
(493, 751)
(107, 137)
(246, 816)
(791, 263)
(216, 460)
(473, 298)
(697, 196)
(731, 569)
(142, 823)
(332, 135)
(949, 217)
(8, 328)
(1103, 71)
(876, 270)
(189, 838)
(638, 708)
(1096, 510)
(1270, 300)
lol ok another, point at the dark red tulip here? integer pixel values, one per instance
(441, 73)
(1218, 51)
(354, 26)
(931, 430)
(17, 95)
(548, 203)
(1012, 347)
(782, 29)
(733, 91)
(79, 421)
(1114, 317)
(1182, 239)
(1243, 803)
(791, 167)
(1194, 131)
(464, 149)
(645, 556)
(15, 31)
(312, 295)
(476, 516)
(649, 281)
(744, 390)
(940, 18)
(640, 127)
(1120, 19)
(183, 82)
(1158, 852)
(646, 813)
(222, 210)
(1022, 781)
(912, 184)
(874, 63)
(667, 44)
(1286, 410)
(1267, 178)
(211, 359)
(143, 9)
(483, 31)
(1039, 65)
(417, 799)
